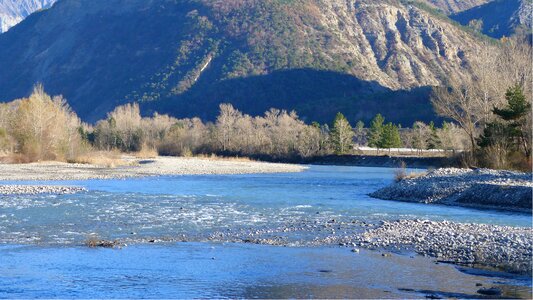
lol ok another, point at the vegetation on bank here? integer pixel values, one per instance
(489, 117)
(42, 127)
(494, 108)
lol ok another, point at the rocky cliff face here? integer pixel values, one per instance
(399, 46)
(14, 11)
(360, 57)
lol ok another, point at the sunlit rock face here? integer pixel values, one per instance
(13, 12)
(185, 57)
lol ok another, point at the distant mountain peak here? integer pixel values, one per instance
(13, 12)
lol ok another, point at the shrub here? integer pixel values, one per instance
(44, 127)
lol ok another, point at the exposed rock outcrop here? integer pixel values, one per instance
(14, 11)
(370, 49)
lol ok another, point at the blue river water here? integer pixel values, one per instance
(42, 253)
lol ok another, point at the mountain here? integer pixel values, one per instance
(184, 57)
(498, 18)
(455, 6)
(14, 11)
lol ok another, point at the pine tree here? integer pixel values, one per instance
(390, 137)
(434, 141)
(509, 130)
(342, 135)
(376, 130)
(517, 105)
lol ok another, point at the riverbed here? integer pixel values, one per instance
(275, 235)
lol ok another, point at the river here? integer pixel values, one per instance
(185, 235)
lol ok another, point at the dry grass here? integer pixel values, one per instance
(224, 158)
(401, 174)
(14, 158)
(146, 153)
(106, 159)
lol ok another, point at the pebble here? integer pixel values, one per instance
(480, 188)
(134, 167)
(505, 247)
(6, 190)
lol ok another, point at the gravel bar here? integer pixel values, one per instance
(7, 190)
(503, 247)
(479, 188)
(160, 166)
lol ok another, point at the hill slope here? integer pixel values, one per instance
(500, 17)
(14, 11)
(186, 56)
(455, 6)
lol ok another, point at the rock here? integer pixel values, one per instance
(490, 292)
(481, 188)
(491, 245)
(6, 190)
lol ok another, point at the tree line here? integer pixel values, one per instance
(42, 127)
(489, 116)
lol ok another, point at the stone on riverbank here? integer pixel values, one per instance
(135, 167)
(480, 188)
(7, 190)
(503, 247)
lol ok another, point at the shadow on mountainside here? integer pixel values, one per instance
(315, 95)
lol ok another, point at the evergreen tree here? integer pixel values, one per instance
(376, 130)
(517, 105)
(390, 137)
(342, 135)
(434, 141)
(510, 127)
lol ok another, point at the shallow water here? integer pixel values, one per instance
(290, 209)
(205, 270)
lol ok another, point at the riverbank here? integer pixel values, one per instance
(502, 247)
(7, 190)
(480, 188)
(135, 167)
(387, 161)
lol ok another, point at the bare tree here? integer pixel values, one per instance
(463, 104)
(226, 121)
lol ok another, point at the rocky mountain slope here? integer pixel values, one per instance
(360, 57)
(14, 11)
(455, 6)
(499, 18)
